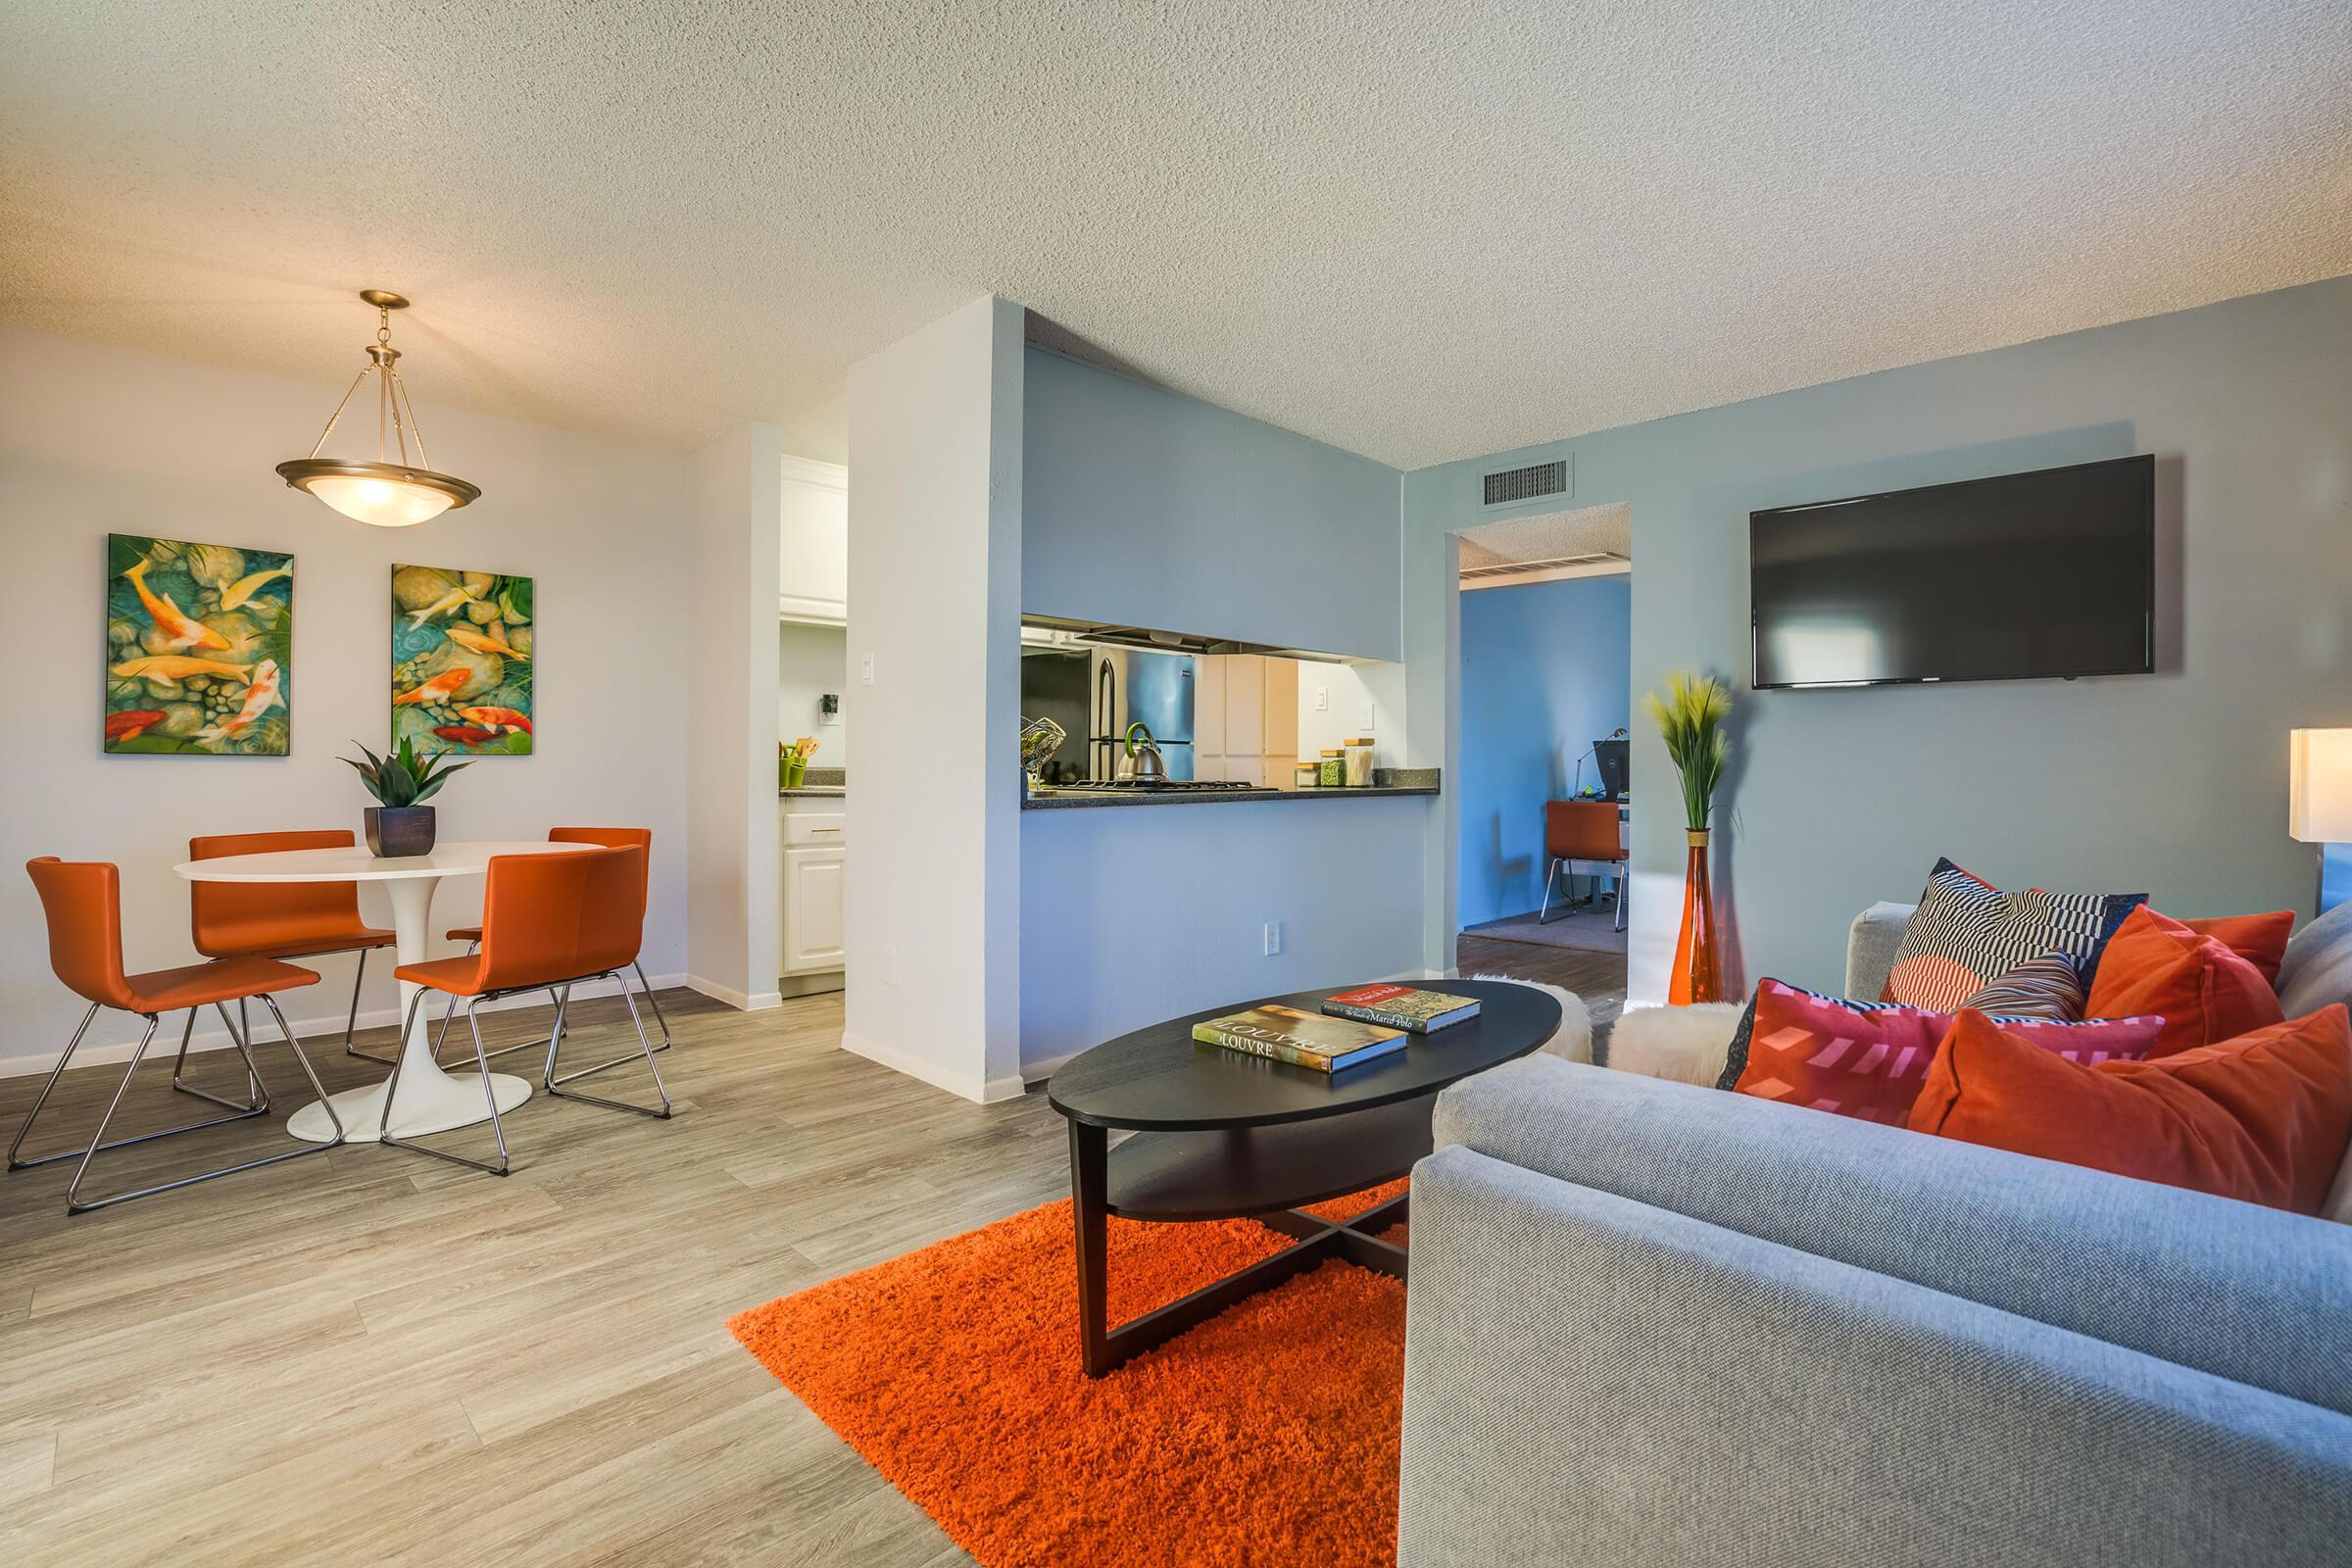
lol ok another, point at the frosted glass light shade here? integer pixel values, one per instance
(2319, 788)
(385, 494)
(385, 502)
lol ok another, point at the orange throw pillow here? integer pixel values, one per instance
(2203, 992)
(2259, 939)
(2264, 1117)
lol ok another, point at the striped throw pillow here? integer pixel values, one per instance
(1969, 933)
(2048, 987)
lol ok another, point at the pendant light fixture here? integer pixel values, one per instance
(382, 492)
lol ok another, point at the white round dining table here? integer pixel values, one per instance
(430, 1100)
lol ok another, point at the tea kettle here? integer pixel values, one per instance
(1143, 761)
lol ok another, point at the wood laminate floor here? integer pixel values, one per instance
(370, 1357)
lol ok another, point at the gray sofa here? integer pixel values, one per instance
(1653, 1324)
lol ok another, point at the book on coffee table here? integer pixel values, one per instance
(1398, 1006)
(1301, 1039)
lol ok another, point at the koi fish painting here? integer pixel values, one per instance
(199, 649)
(462, 667)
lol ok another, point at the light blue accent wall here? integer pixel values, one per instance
(1133, 914)
(2171, 784)
(1145, 508)
(1148, 509)
(1544, 674)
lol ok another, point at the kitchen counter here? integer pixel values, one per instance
(1387, 782)
(822, 783)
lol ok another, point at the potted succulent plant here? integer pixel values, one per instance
(402, 823)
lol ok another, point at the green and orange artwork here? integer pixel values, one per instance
(199, 649)
(461, 661)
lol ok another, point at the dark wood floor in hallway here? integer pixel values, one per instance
(371, 1356)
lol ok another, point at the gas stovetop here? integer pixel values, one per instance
(1156, 786)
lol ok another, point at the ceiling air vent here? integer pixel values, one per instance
(1536, 481)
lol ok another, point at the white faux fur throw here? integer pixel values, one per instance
(1687, 1045)
(1573, 1040)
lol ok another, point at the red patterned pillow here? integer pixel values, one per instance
(1869, 1059)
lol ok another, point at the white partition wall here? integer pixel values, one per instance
(933, 893)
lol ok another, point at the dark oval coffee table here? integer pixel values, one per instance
(1218, 1134)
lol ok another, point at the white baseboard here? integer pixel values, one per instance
(316, 1033)
(740, 1001)
(1038, 1071)
(962, 1085)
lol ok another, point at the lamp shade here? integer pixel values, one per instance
(2318, 788)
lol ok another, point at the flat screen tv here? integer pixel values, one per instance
(2045, 574)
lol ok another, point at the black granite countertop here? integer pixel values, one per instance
(1386, 782)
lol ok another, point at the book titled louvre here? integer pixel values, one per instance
(1402, 1007)
(1301, 1039)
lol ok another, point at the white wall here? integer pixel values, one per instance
(2173, 784)
(1132, 914)
(735, 915)
(812, 660)
(96, 439)
(932, 895)
(1350, 692)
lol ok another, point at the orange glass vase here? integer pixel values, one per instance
(1697, 977)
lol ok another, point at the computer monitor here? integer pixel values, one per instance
(1610, 757)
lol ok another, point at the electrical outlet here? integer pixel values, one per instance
(1322, 698)
(1273, 938)
(865, 669)
(1368, 715)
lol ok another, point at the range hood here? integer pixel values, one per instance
(1060, 631)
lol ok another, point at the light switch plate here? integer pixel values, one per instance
(865, 669)
(1273, 938)
(1322, 698)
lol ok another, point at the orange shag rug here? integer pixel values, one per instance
(1267, 1435)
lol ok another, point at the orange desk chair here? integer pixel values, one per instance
(549, 921)
(84, 901)
(1582, 833)
(611, 838)
(280, 919)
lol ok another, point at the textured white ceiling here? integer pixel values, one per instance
(1419, 230)
(1551, 536)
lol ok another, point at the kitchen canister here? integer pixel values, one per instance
(1307, 774)
(1332, 771)
(1359, 760)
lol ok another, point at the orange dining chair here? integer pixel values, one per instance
(611, 838)
(280, 919)
(1582, 833)
(549, 921)
(84, 903)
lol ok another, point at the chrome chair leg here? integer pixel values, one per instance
(1625, 882)
(42, 1099)
(555, 1083)
(351, 1022)
(489, 1093)
(563, 1028)
(1551, 871)
(73, 1200)
(96, 1144)
(256, 1094)
(653, 1002)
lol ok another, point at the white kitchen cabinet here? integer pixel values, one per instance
(815, 859)
(1246, 721)
(813, 556)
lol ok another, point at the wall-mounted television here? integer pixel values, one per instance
(2023, 577)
